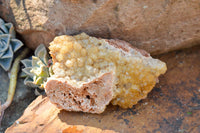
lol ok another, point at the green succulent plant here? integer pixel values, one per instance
(8, 44)
(37, 69)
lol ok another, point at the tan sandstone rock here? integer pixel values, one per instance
(157, 26)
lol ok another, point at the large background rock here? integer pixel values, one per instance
(154, 25)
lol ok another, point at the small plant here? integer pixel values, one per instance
(8, 44)
(37, 69)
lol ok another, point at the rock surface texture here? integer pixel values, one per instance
(157, 26)
(173, 106)
(38, 110)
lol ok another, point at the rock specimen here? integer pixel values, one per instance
(89, 72)
(156, 26)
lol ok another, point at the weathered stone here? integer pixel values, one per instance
(172, 106)
(41, 117)
(157, 26)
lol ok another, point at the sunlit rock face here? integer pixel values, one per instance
(157, 26)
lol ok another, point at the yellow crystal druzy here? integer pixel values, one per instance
(82, 58)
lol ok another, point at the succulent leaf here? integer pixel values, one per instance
(6, 59)
(16, 44)
(28, 72)
(41, 52)
(36, 62)
(11, 30)
(1, 22)
(6, 63)
(37, 69)
(27, 62)
(22, 75)
(1, 32)
(4, 43)
(8, 53)
(29, 82)
(4, 29)
(8, 44)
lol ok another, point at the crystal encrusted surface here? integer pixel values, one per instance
(81, 58)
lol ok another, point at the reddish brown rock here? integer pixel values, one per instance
(91, 97)
(157, 26)
(42, 117)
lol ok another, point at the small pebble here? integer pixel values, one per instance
(145, 7)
